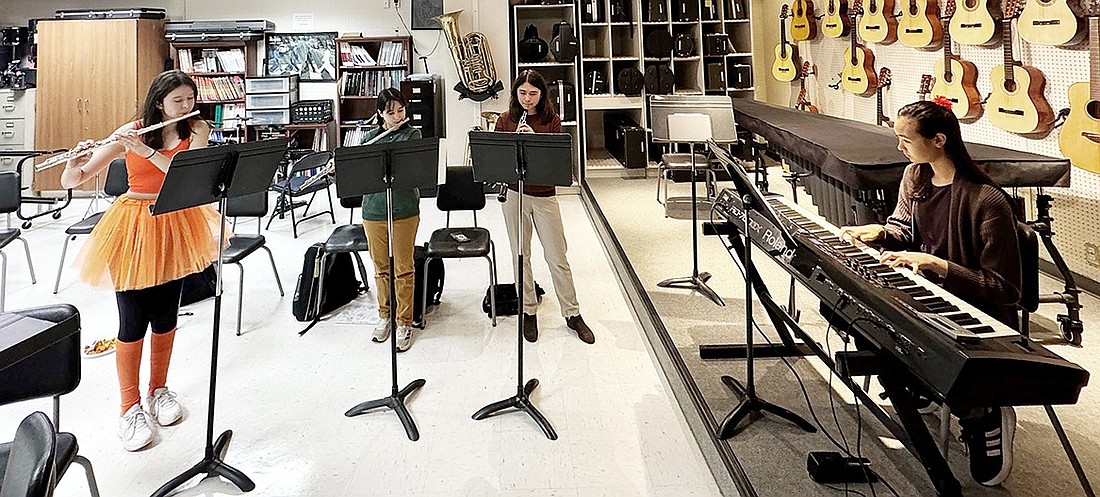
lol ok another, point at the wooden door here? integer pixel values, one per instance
(59, 112)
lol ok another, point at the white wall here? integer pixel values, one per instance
(371, 17)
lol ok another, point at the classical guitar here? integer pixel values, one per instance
(957, 79)
(858, 76)
(878, 24)
(1050, 22)
(1017, 103)
(1080, 135)
(925, 87)
(835, 23)
(785, 67)
(920, 25)
(884, 81)
(976, 23)
(803, 103)
(803, 23)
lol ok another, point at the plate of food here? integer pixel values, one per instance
(100, 347)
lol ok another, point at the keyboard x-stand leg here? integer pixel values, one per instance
(922, 442)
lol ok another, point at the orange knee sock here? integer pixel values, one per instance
(160, 354)
(128, 363)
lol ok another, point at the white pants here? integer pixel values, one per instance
(545, 216)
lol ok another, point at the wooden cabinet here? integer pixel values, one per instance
(219, 69)
(92, 77)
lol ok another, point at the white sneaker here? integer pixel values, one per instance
(381, 332)
(404, 338)
(134, 428)
(163, 407)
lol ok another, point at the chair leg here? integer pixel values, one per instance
(275, 270)
(240, 297)
(493, 281)
(3, 278)
(61, 265)
(424, 295)
(331, 211)
(279, 202)
(293, 221)
(660, 174)
(30, 264)
(93, 488)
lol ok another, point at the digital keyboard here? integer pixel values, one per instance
(961, 355)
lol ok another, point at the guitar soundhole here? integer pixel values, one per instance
(1093, 109)
(912, 8)
(1010, 86)
(949, 78)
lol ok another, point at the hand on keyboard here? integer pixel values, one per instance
(917, 261)
(860, 234)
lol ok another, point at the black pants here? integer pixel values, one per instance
(157, 306)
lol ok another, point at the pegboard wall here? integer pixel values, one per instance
(1075, 208)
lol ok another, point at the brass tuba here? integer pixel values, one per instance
(472, 59)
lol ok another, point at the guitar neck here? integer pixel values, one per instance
(1006, 39)
(879, 115)
(1094, 58)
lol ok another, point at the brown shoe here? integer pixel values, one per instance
(530, 327)
(576, 324)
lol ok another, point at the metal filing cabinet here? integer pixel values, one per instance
(17, 128)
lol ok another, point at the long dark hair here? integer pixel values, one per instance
(151, 112)
(929, 119)
(545, 106)
(386, 98)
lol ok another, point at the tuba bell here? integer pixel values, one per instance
(472, 59)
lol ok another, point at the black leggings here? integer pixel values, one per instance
(157, 306)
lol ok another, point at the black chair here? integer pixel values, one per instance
(1029, 275)
(9, 203)
(117, 183)
(291, 187)
(51, 372)
(461, 193)
(28, 461)
(240, 246)
(350, 238)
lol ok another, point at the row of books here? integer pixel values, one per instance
(369, 83)
(219, 89)
(211, 60)
(390, 53)
(353, 137)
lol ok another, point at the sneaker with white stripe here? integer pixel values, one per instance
(988, 439)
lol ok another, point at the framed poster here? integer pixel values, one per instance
(310, 56)
(423, 11)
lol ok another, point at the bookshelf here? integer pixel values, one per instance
(367, 65)
(219, 69)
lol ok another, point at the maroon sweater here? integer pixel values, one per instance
(983, 252)
(547, 122)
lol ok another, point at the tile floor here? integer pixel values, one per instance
(621, 433)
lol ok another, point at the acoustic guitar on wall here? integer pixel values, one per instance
(803, 103)
(785, 66)
(1080, 135)
(1050, 22)
(920, 25)
(858, 76)
(957, 79)
(835, 23)
(878, 24)
(977, 22)
(803, 23)
(884, 81)
(1017, 104)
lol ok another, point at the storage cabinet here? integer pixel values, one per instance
(219, 69)
(92, 77)
(16, 127)
(367, 66)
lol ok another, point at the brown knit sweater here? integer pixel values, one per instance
(983, 254)
(547, 122)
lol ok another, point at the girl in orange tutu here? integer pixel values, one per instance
(144, 258)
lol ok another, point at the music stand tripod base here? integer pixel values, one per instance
(396, 402)
(211, 465)
(750, 404)
(520, 402)
(697, 283)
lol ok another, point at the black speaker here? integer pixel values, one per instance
(659, 79)
(564, 45)
(709, 10)
(740, 76)
(624, 139)
(595, 83)
(657, 10)
(620, 11)
(593, 11)
(564, 96)
(716, 76)
(532, 48)
(716, 44)
(629, 81)
(686, 10)
(683, 46)
(658, 43)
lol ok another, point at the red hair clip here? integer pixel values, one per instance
(942, 101)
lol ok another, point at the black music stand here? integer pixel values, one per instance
(380, 168)
(200, 177)
(752, 199)
(542, 159)
(711, 117)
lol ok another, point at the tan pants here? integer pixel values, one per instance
(404, 236)
(542, 214)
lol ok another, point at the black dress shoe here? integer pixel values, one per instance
(576, 324)
(530, 327)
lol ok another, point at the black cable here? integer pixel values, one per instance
(409, 32)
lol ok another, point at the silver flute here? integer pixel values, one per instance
(503, 194)
(72, 154)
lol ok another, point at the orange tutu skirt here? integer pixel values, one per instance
(131, 249)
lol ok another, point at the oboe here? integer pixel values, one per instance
(330, 168)
(502, 195)
(72, 154)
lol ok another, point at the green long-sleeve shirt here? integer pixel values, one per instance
(406, 203)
